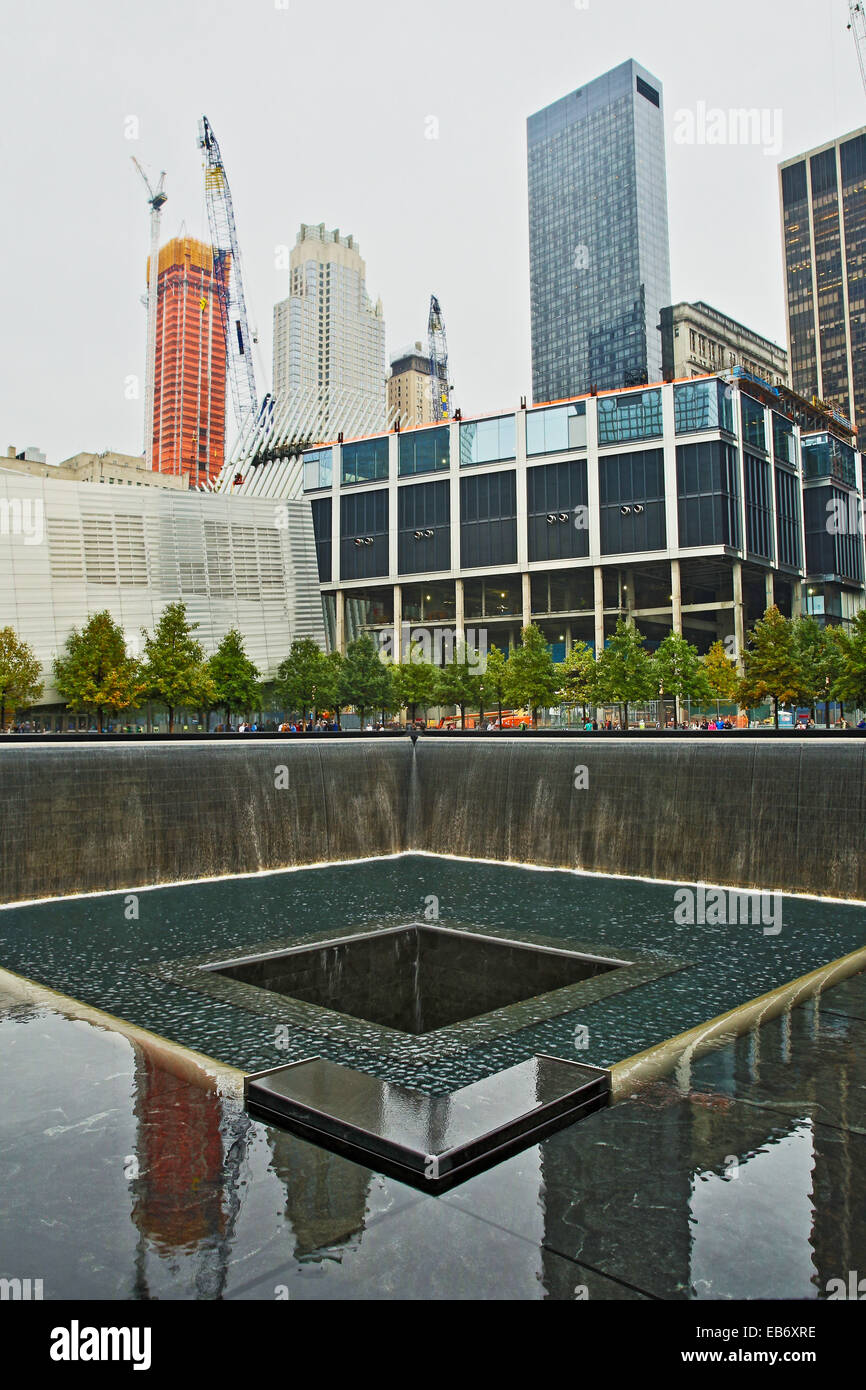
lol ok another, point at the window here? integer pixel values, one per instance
(318, 470)
(488, 520)
(708, 494)
(557, 430)
(322, 511)
(487, 441)
(425, 451)
(783, 441)
(558, 515)
(364, 535)
(754, 431)
(631, 494)
(825, 456)
(625, 418)
(703, 405)
(788, 517)
(759, 516)
(365, 461)
(424, 527)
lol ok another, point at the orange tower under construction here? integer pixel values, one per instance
(189, 411)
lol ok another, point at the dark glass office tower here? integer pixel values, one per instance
(598, 236)
(824, 229)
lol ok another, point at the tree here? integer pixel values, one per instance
(415, 682)
(458, 684)
(624, 672)
(722, 675)
(532, 680)
(236, 681)
(678, 670)
(818, 654)
(175, 671)
(576, 677)
(364, 681)
(20, 674)
(306, 679)
(850, 681)
(330, 692)
(95, 672)
(770, 662)
(493, 681)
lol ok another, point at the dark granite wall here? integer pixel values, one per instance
(785, 813)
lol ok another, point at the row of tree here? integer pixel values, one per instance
(794, 662)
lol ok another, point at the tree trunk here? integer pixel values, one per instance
(170, 712)
(624, 713)
(775, 712)
(99, 719)
(463, 718)
(2, 716)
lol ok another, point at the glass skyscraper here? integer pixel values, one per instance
(598, 236)
(824, 228)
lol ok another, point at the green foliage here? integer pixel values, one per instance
(532, 680)
(493, 680)
(95, 673)
(818, 654)
(415, 682)
(624, 672)
(722, 675)
(677, 670)
(850, 649)
(458, 684)
(236, 681)
(20, 674)
(771, 664)
(364, 680)
(576, 676)
(175, 671)
(307, 680)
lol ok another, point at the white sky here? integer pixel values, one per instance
(320, 110)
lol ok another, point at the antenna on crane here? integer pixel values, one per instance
(228, 277)
(438, 350)
(157, 198)
(857, 25)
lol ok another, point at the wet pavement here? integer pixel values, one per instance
(743, 1179)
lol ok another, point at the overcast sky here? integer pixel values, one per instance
(321, 110)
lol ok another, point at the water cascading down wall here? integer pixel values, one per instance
(783, 814)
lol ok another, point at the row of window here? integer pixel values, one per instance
(632, 514)
(698, 406)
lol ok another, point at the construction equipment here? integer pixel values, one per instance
(157, 198)
(438, 350)
(857, 25)
(228, 278)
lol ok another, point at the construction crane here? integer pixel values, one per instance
(157, 198)
(857, 25)
(438, 350)
(228, 277)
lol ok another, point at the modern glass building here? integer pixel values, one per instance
(823, 196)
(598, 236)
(687, 506)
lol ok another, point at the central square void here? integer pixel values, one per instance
(416, 978)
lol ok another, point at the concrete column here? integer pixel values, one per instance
(341, 622)
(527, 600)
(459, 615)
(598, 574)
(676, 598)
(739, 613)
(398, 624)
(797, 598)
(771, 593)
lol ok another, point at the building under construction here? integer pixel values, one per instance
(189, 413)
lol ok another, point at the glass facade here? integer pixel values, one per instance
(708, 494)
(703, 405)
(366, 461)
(754, 427)
(425, 451)
(788, 518)
(487, 441)
(825, 456)
(830, 552)
(557, 430)
(622, 419)
(364, 535)
(488, 520)
(500, 596)
(429, 603)
(784, 446)
(759, 514)
(318, 470)
(424, 527)
(632, 500)
(599, 264)
(322, 509)
(558, 515)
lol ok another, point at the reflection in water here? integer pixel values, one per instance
(326, 1197)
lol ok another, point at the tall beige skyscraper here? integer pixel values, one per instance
(329, 342)
(410, 399)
